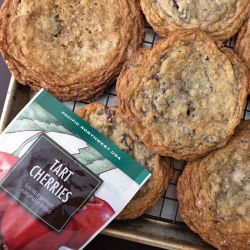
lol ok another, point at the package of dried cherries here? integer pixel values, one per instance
(61, 181)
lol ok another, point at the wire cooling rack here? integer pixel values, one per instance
(167, 208)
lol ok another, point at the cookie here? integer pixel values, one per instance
(214, 193)
(185, 96)
(108, 122)
(73, 49)
(242, 46)
(220, 19)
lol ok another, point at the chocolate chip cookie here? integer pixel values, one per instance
(242, 46)
(73, 49)
(221, 19)
(214, 193)
(108, 122)
(185, 96)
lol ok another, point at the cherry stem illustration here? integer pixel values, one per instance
(92, 198)
(20, 148)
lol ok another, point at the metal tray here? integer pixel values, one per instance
(161, 226)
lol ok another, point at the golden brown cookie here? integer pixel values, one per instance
(221, 19)
(242, 47)
(214, 193)
(108, 122)
(73, 49)
(185, 96)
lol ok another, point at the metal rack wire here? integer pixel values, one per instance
(167, 208)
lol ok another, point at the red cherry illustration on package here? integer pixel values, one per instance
(7, 161)
(5, 201)
(21, 230)
(88, 220)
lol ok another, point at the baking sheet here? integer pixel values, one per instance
(161, 226)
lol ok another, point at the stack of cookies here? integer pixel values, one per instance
(184, 98)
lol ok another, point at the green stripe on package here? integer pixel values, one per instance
(95, 139)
